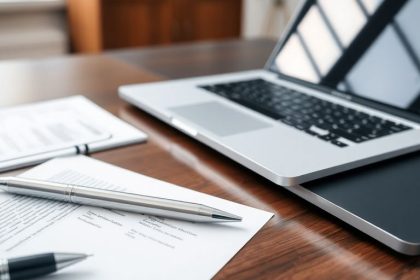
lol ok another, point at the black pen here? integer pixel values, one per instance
(36, 265)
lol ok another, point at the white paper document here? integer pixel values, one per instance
(124, 245)
(35, 132)
(43, 127)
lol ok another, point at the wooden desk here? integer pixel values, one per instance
(301, 241)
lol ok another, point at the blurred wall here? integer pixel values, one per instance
(32, 28)
(38, 28)
(266, 18)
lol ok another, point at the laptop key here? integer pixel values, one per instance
(398, 128)
(339, 143)
(270, 113)
(348, 135)
(329, 137)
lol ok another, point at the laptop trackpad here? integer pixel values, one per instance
(219, 118)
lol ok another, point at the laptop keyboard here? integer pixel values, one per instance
(328, 121)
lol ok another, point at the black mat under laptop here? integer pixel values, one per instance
(386, 194)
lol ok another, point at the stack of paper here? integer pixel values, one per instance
(125, 245)
(36, 132)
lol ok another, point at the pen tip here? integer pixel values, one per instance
(63, 260)
(225, 217)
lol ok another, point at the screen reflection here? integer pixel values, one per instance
(368, 48)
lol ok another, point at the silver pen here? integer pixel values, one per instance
(155, 206)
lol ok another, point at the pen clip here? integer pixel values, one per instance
(82, 149)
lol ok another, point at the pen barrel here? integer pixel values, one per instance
(141, 204)
(40, 189)
(31, 266)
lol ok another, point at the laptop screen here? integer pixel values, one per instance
(367, 48)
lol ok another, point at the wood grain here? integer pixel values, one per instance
(210, 19)
(84, 19)
(98, 25)
(128, 23)
(300, 242)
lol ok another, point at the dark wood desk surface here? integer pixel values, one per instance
(207, 58)
(301, 241)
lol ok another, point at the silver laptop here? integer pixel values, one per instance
(340, 90)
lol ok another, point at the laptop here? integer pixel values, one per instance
(340, 90)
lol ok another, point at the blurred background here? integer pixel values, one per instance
(43, 28)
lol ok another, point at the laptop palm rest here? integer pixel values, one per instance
(218, 118)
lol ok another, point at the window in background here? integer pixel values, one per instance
(266, 18)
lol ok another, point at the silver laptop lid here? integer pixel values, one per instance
(364, 50)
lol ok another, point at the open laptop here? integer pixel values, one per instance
(340, 90)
